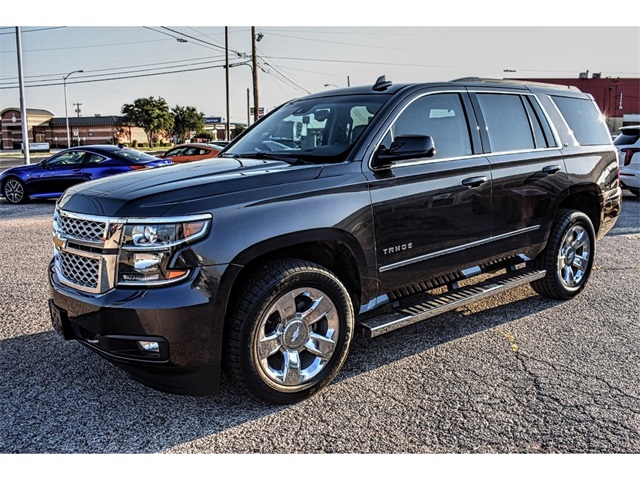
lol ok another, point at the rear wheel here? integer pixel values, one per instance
(14, 191)
(568, 257)
(290, 333)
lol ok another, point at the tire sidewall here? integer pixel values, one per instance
(24, 191)
(312, 277)
(570, 220)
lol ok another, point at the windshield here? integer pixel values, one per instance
(312, 129)
(134, 156)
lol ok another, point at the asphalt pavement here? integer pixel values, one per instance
(515, 373)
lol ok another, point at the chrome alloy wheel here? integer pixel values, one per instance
(573, 257)
(14, 191)
(296, 338)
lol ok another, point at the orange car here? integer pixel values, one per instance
(190, 152)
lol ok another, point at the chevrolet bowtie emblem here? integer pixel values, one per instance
(59, 243)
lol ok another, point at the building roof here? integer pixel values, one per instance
(108, 120)
(30, 111)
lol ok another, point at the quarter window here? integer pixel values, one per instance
(584, 120)
(440, 116)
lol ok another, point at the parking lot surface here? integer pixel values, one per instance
(514, 373)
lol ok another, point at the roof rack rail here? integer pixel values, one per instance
(468, 79)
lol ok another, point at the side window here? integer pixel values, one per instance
(360, 118)
(440, 116)
(583, 118)
(69, 158)
(507, 122)
(93, 159)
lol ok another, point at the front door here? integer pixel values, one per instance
(57, 173)
(432, 213)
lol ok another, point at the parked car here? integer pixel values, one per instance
(362, 211)
(52, 176)
(628, 145)
(219, 143)
(191, 152)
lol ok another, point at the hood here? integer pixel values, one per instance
(20, 169)
(154, 191)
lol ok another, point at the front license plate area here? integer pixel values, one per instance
(59, 320)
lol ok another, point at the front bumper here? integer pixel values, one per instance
(184, 321)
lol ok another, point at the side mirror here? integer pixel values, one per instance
(404, 147)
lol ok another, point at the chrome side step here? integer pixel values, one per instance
(445, 302)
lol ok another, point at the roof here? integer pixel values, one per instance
(108, 120)
(30, 111)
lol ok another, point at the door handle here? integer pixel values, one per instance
(474, 181)
(551, 169)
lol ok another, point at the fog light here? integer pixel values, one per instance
(151, 347)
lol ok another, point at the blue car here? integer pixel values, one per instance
(52, 176)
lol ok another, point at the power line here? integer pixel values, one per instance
(119, 78)
(85, 46)
(219, 47)
(418, 65)
(377, 47)
(28, 31)
(183, 63)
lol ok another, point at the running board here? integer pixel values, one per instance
(445, 302)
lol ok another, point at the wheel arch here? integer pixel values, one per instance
(333, 249)
(587, 200)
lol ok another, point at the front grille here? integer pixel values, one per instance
(82, 229)
(81, 271)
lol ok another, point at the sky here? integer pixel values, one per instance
(127, 54)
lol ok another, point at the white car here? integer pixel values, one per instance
(628, 145)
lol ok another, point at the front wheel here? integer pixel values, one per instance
(568, 256)
(290, 334)
(15, 191)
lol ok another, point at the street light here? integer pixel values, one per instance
(66, 113)
(331, 85)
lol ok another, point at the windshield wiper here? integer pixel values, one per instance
(290, 159)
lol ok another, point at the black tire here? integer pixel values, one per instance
(15, 191)
(635, 191)
(568, 256)
(290, 332)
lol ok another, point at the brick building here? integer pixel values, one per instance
(42, 127)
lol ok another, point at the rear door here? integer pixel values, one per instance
(432, 214)
(527, 167)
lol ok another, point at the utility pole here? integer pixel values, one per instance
(254, 60)
(23, 106)
(248, 108)
(226, 55)
(77, 105)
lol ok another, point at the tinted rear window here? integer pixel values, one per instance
(507, 122)
(134, 156)
(628, 136)
(584, 120)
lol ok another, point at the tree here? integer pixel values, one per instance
(186, 120)
(237, 130)
(152, 115)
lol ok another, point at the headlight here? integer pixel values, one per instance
(148, 248)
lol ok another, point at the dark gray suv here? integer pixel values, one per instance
(367, 208)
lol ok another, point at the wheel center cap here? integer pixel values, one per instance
(295, 334)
